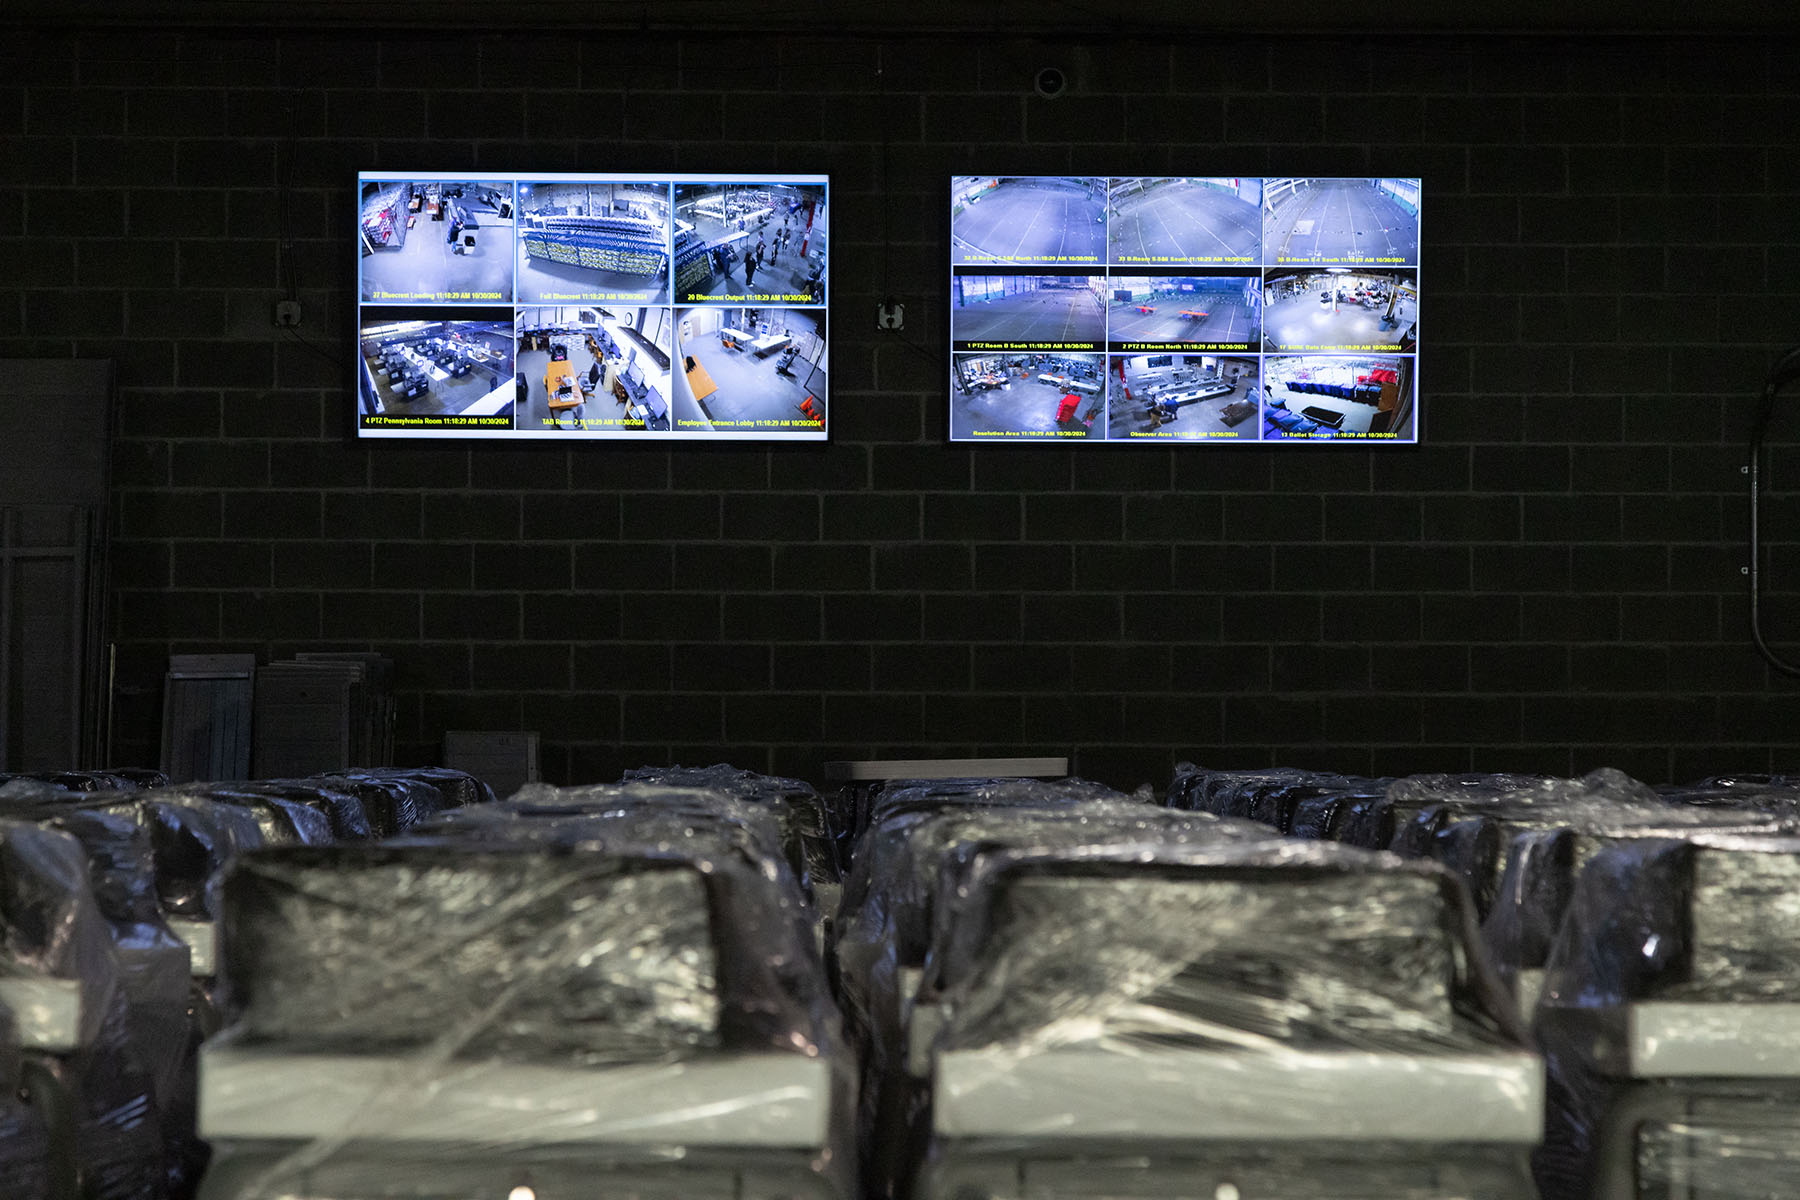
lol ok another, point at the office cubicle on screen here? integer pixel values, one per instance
(592, 307)
(1200, 311)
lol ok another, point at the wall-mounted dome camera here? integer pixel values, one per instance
(1051, 83)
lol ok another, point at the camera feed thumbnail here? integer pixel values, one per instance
(1026, 311)
(1220, 312)
(1182, 397)
(593, 369)
(1325, 397)
(1185, 221)
(1341, 221)
(437, 240)
(1340, 308)
(1041, 219)
(424, 368)
(593, 242)
(1026, 396)
(759, 371)
(749, 243)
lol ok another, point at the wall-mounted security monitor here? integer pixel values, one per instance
(1192, 310)
(615, 306)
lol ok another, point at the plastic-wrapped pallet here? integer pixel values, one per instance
(153, 963)
(392, 801)
(1271, 796)
(1671, 1022)
(806, 826)
(901, 885)
(456, 789)
(571, 811)
(60, 977)
(1518, 841)
(859, 807)
(583, 1000)
(1236, 1018)
(93, 781)
(286, 813)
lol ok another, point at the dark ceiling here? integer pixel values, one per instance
(1092, 19)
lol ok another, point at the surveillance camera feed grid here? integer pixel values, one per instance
(1218, 303)
(545, 306)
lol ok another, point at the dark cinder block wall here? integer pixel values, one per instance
(1551, 582)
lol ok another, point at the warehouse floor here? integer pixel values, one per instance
(1025, 406)
(748, 391)
(1341, 220)
(1048, 315)
(781, 279)
(1185, 222)
(1194, 418)
(1305, 322)
(1358, 417)
(1028, 221)
(603, 412)
(1228, 320)
(423, 267)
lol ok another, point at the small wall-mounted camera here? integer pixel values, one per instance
(1051, 83)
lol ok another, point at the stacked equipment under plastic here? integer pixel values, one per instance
(81, 985)
(808, 840)
(1671, 1020)
(1239, 1015)
(118, 1090)
(1644, 932)
(896, 893)
(597, 991)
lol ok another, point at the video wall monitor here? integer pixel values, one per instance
(529, 306)
(1218, 311)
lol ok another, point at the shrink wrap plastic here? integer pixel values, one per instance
(1671, 1021)
(119, 780)
(64, 985)
(806, 825)
(1517, 841)
(394, 799)
(153, 964)
(564, 989)
(285, 813)
(1236, 1010)
(25, 1156)
(1275, 796)
(458, 789)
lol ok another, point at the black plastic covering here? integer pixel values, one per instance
(903, 886)
(390, 804)
(115, 780)
(557, 928)
(1264, 944)
(1273, 797)
(1707, 919)
(1219, 935)
(811, 842)
(285, 813)
(54, 930)
(1518, 840)
(25, 1151)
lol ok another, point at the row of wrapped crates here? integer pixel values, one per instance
(606, 991)
(693, 263)
(630, 245)
(1649, 935)
(708, 983)
(108, 932)
(1062, 991)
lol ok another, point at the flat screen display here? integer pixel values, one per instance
(592, 307)
(1202, 311)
